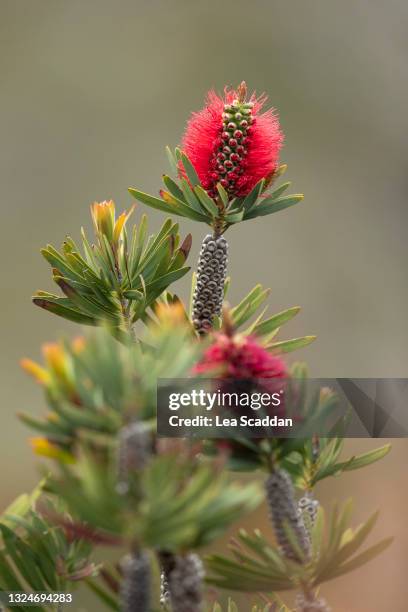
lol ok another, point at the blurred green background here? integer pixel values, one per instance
(90, 94)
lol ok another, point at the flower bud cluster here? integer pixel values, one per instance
(228, 160)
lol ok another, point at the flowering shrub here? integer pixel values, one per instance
(111, 481)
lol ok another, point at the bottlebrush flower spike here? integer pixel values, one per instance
(232, 142)
(240, 357)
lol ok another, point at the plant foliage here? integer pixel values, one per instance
(38, 556)
(186, 197)
(114, 280)
(260, 566)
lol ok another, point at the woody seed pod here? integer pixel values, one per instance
(134, 451)
(135, 588)
(209, 290)
(311, 605)
(185, 583)
(283, 510)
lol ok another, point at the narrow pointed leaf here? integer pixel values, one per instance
(252, 197)
(190, 170)
(190, 196)
(208, 204)
(360, 559)
(172, 161)
(64, 312)
(269, 325)
(278, 192)
(360, 461)
(154, 202)
(287, 346)
(272, 206)
(223, 194)
(173, 187)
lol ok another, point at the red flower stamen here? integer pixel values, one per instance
(241, 357)
(231, 142)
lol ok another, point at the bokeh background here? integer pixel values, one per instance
(91, 91)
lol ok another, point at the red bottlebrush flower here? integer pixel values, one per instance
(241, 365)
(232, 142)
(240, 357)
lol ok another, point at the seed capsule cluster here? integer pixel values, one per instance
(283, 509)
(307, 605)
(185, 583)
(134, 452)
(164, 591)
(209, 290)
(228, 160)
(307, 508)
(135, 588)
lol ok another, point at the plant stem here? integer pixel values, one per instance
(124, 303)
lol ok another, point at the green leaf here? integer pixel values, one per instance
(189, 211)
(133, 294)
(190, 170)
(269, 325)
(153, 202)
(175, 207)
(173, 187)
(87, 304)
(208, 204)
(234, 217)
(227, 284)
(57, 261)
(172, 160)
(287, 346)
(23, 558)
(357, 539)
(278, 192)
(317, 533)
(63, 311)
(190, 196)
(7, 575)
(223, 194)
(155, 241)
(248, 306)
(137, 245)
(167, 279)
(364, 459)
(271, 206)
(361, 559)
(232, 606)
(52, 430)
(252, 197)
(192, 288)
(22, 504)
